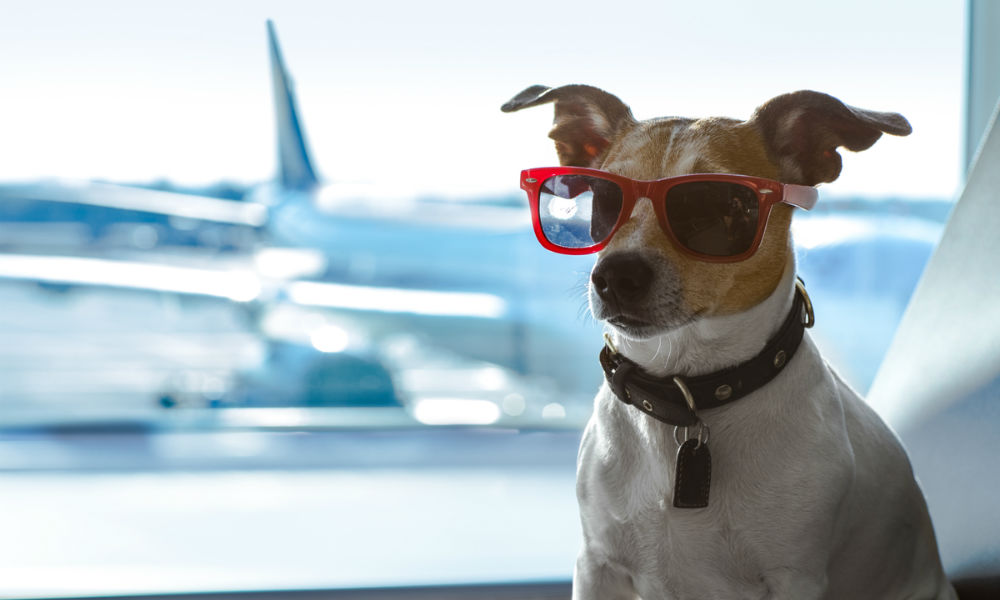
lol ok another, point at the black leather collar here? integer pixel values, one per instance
(676, 400)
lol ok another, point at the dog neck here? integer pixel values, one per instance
(712, 343)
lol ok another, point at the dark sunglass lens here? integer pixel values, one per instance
(578, 211)
(712, 217)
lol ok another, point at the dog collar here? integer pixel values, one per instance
(677, 400)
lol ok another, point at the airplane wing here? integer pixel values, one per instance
(128, 198)
(243, 282)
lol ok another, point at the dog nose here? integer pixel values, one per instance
(622, 277)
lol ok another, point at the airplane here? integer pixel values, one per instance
(455, 287)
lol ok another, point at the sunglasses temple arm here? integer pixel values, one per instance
(802, 196)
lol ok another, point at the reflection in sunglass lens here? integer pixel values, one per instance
(578, 211)
(713, 217)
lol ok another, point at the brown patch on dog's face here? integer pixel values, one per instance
(670, 147)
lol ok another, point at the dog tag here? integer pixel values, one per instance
(692, 475)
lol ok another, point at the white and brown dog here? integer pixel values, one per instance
(806, 494)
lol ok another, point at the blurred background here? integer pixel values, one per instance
(273, 313)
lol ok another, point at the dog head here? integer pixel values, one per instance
(641, 284)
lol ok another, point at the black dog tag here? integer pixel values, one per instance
(692, 475)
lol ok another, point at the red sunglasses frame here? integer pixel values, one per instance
(768, 191)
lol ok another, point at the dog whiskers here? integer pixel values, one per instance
(583, 313)
(581, 290)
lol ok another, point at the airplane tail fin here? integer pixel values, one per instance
(295, 168)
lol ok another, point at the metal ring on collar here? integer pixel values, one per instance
(703, 434)
(611, 345)
(687, 393)
(810, 316)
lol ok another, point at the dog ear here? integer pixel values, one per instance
(803, 130)
(587, 120)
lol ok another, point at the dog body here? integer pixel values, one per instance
(812, 496)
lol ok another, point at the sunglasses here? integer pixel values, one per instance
(714, 217)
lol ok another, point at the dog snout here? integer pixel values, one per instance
(622, 278)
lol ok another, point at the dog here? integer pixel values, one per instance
(781, 483)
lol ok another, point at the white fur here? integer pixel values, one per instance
(812, 495)
(681, 161)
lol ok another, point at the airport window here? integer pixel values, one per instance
(274, 314)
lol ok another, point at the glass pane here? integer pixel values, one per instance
(578, 211)
(714, 218)
(264, 357)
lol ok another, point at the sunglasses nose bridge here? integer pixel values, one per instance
(642, 191)
(636, 204)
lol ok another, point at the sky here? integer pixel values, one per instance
(407, 94)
